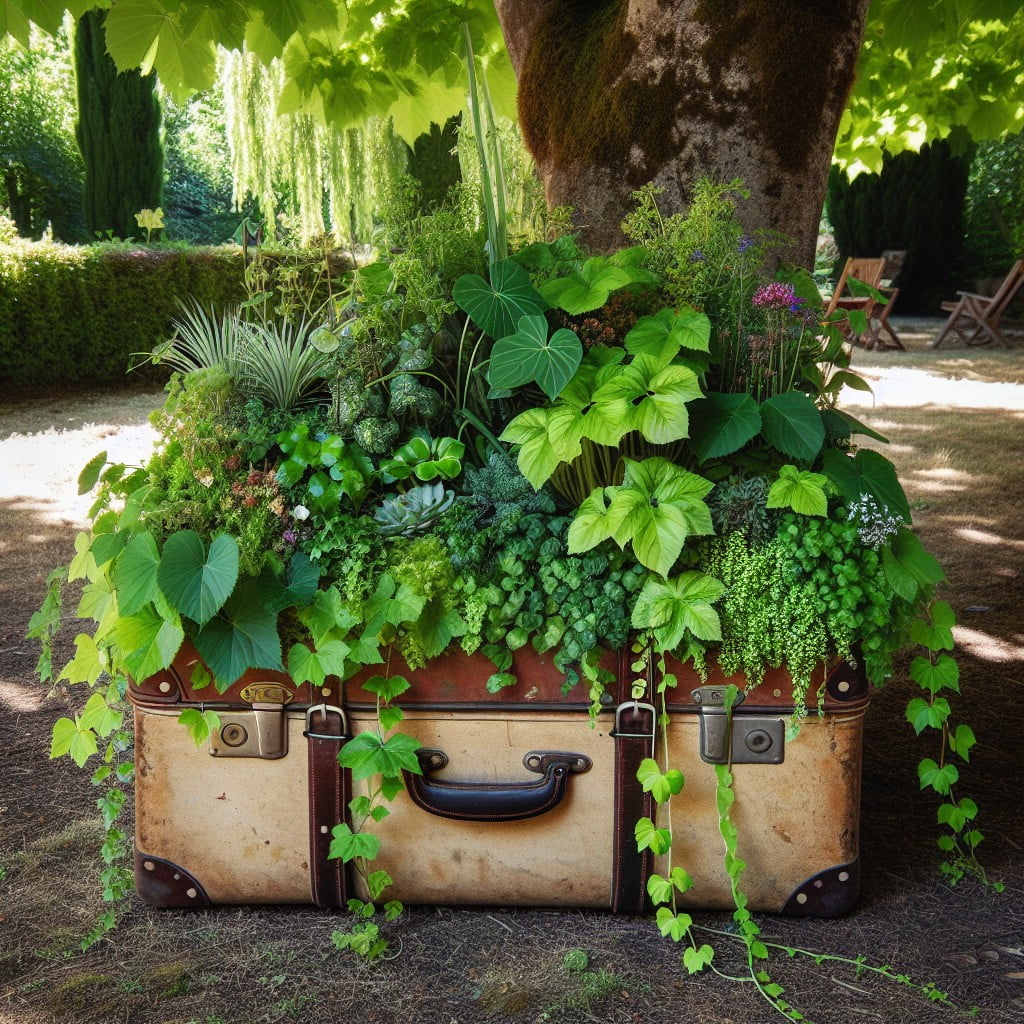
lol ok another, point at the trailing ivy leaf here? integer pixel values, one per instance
(497, 307)
(659, 889)
(867, 472)
(930, 775)
(86, 665)
(347, 845)
(134, 573)
(589, 287)
(70, 738)
(530, 356)
(389, 718)
(672, 925)
(800, 490)
(388, 688)
(661, 785)
(196, 583)
(917, 563)
(301, 579)
(922, 714)
(99, 716)
(546, 438)
(696, 958)
(671, 607)
(944, 674)
(650, 837)
(106, 546)
(792, 424)
(83, 565)
(664, 334)
(242, 636)
(367, 754)
(498, 681)
(199, 724)
(961, 740)
(148, 642)
(934, 635)
(721, 424)
(314, 666)
(90, 474)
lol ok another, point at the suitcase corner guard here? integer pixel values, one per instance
(495, 801)
(163, 884)
(830, 893)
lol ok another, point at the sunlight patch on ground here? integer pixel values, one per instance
(946, 473)
(987, 647)
(982, 537)
(19, 698)
(903, 387)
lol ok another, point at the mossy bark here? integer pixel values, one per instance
(617, 93)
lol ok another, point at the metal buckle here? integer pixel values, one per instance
(635, 705)
(326, 709)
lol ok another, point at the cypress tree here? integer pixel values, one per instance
(916, 204)
(118, 133)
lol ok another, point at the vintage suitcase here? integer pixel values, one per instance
(524, 799)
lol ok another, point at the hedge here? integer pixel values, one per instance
(75, 315)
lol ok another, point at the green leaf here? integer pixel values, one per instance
(90, 474)
(665, 333)
(961, 740)
(530, 356)
(87, 664)
(195, 583)
(71, 739)
(695, 959)
(867, 472)
(242, 636)
(314, 666)
(347, 845)
(944, 674)
(672, 925)
(367, 754)
(659, 889)
(546, 438)
(199, 724)
(649, 837)
(300, 585)
(590, 526)
(148, 641)
(792, 424)
(931, 776)
(497, 307)
(933, 637)
(135, 574)
(498, 681)
(661, 785)
(671, 607)
(588, 288)
(721, 424)
(800, 490)
(922, 714)
(388, 688)
(649, 398)
(100, 717)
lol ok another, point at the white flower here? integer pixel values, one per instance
(301, 513)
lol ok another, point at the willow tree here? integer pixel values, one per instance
(612, 92)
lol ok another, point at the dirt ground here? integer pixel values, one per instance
(956, 420)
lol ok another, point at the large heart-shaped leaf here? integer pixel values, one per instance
(244, 635)
(647, 397)
(298, 588)
(671, 607)
(800, 490)
(148, 642)
(497, 307)
(721, 424)
(792, 423)
(530, 356)
(665, 333)
(867, 472)
(196, 583)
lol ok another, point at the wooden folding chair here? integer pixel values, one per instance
(894, 260)
(974, 319)
(867, 271)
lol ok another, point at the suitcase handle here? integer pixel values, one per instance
(495, 801)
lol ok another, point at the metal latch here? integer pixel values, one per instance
(753, 739)
(261, 732)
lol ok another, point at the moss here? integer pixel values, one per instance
(788, 49)
(578, 106)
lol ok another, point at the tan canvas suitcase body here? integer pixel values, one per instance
(525, 799)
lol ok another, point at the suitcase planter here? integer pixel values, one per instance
(523, 800)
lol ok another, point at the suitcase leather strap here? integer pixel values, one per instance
(329, 795)
(634, 740)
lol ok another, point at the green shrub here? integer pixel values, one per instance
(76, 314)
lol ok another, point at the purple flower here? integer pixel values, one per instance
(696, 256)
(290, 536)
(745, 242)
(776, 295)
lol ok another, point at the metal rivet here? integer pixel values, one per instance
(844, 876)
(149, 865)
(801, 897)
(843, 687)
(177, 877)
(191, 893)
(326, 692)
(323, 830)
(776, 693)
(164, 687)
(818, 883)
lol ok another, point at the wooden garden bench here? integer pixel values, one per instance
(974, 319)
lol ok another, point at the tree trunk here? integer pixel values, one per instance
(617, 93)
